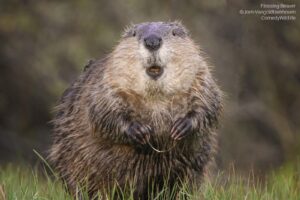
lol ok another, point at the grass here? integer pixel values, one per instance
(18, 183)
(282, 184)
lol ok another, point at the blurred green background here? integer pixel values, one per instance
(44, 46)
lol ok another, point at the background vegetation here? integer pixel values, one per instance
(45, 44)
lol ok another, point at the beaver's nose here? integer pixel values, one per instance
(152, 42)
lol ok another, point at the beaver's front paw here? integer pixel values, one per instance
(138, 132)
(181, 128)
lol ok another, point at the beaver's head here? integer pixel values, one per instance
(154, 59)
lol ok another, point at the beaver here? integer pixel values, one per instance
(143, 116)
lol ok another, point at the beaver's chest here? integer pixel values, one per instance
(161, 114)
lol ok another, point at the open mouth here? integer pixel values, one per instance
(155, 71)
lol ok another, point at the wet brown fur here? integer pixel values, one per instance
(90, 147)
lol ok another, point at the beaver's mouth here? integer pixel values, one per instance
(154, 71)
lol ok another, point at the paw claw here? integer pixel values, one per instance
(139, 133)
(181, 128)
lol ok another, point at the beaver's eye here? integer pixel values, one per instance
(178, 32)
(133, 33)
(173, 33)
